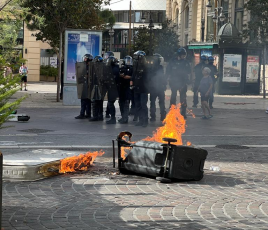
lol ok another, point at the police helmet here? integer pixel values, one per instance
(108, 54)
(204, 57)
(128, 61)
(138, 54)
(87, 58)
(98, 58)
(111, 61)
(181, 52)
(210, 59)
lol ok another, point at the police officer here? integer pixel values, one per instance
(124, 88)
(198, 76)
(97, 102)
(157, 85)
(112, 86)
(179, 71)
(213, 74)
(85, 111)
(139, 82)
(105, 58)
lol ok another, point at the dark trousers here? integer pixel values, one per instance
(111, 108)
(85, 107)
(183, 98)
(211, 97)
(161, 99)
(97, 108)
(195, 98)
(141, 100)
(124, 108)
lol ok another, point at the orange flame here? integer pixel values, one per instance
(174, 127)
(81, 162)
(124, 152)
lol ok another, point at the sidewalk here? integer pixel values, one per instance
(43, 94)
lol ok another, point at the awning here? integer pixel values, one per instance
(199, 47)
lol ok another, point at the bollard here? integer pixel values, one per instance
(1, 180)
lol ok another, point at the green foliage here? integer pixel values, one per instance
(142, 40)
(165, 41)
(108, 17)
(51, 17)
(257, 28)
(48, 71)
(9, 85)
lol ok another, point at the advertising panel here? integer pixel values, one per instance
(232, 68)
(77, 44)
(252, 69)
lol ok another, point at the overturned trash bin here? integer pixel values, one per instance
(166, 162)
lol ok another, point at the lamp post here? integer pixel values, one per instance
(218, 15)
(111, 33)
(125, 36)
(151, 26)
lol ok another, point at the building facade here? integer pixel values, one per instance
(193, 20)
(141, 12)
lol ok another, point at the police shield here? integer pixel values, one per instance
(81, 80)
(97, 76)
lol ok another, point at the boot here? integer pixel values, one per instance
(94, 112)
(93, 119)
(80, 117)
(111, 121)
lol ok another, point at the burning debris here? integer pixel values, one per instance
(78, 163)
(168, 161)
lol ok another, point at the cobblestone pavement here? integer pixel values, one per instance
(234, 198)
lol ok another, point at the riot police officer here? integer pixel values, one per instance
(157, 86)
(111, 86)
(198, 76)
(85, 111)
(124, 88)
(105, 58)
(213, 74)
(96, 98)
(179, 71)
(139, 82)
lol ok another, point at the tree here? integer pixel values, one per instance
(167, 41)
(51, 17)
(142, 40)
(9, 85)
(256, 30)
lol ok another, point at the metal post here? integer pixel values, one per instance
(263, 71)
(129, 32)
(1, 181)
(113, 155)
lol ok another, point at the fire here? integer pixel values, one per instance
(81, 162)
(124, 152)
(173, 127)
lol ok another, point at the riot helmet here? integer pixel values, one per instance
(98, 58)
(204, 58)
(138, 54)
(111, 61)
(87, 58)
(128, 61)
(159, 58)
(211, 59)
(108, 54)
(181, 52)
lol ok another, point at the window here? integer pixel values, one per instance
(225, 6)
(186, 17)
(239, 13)
(138, 16)
(126, 16)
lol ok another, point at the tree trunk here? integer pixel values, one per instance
(59, 70)
(263, 71)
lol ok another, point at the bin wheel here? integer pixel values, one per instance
(163, 180)
(170, 140)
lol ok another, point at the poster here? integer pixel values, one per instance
(77, 44)
(252, 69)
(206, 52)
(53, 61)
(232, 68)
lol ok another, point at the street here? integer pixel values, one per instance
(233, 198)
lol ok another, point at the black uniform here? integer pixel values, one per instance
(198, 76)
(124, 92)
(157, 86)
(140, 80)
(179, 71)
